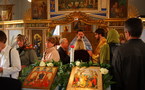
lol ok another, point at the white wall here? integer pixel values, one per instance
(20, 8)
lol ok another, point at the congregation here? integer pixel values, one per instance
(126, 59)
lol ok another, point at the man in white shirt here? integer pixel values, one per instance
(9, 59)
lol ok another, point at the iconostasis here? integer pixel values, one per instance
(63, 17)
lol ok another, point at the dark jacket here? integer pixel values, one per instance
(81, 55)
(10, 83)
(27, 56)
(129, 66)
(63, 56)
(112, 46)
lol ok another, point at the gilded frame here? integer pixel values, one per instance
(89, 8)
(118, 8)
(89, 78)
(39, 9)
(40, 78)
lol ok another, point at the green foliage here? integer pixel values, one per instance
(107, 81)
(63, 74)
(25, 71)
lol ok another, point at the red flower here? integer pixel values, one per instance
(27, 47)
(30, 46)
(45, 60)
(72, 46)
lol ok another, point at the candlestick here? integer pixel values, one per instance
(72, 54)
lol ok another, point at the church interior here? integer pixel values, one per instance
(39, 19)
(30, 17)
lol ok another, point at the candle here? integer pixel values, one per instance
(72, 53)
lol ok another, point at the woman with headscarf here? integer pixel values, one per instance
(107, 50)
(26, 51)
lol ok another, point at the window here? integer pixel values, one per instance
(56, 30)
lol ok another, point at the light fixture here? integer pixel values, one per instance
(29, 0)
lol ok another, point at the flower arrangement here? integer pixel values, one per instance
(63, 73)
(27, 47)
(104, 71)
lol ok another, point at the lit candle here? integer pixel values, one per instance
(72, 53)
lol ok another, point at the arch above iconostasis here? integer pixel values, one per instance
(81, 17)
(87, 22)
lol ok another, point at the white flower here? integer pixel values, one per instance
(50, 64)
(104, 70)
(42, 63)
(78, 63)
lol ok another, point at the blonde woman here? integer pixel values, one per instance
(51, 52)
(80, 52)
(79, 45)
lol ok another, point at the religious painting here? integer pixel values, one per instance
(78, 25)
(85, 78)
(66, 28)
(39, 9)
(6, 12)
(118, 8)
(52, 5)
(37, 41)
(70, 5)
(40, 78)
(4, 15)
(121, 35)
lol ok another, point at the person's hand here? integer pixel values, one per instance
(68, 53)
(79, 37)
(1, 69)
